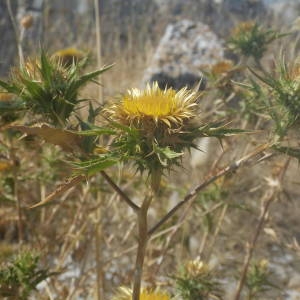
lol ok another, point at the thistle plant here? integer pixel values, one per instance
(284, 95)
(283, 104)
(251, 40)
(161, 121)
(258, 279)
(150, 128)
(20, 277)
(196, 281)
(48, 88)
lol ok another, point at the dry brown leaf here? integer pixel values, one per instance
(60, 190)
(67, 140)
(5, 165)
(271, 232)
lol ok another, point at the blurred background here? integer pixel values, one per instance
(130, 29)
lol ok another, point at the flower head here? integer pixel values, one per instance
(156, 106)
(48, 88)
(295, 73)
(196, 281)
(196, 268)
(152, 128)
(68, 56)
(242, 28)
(126, 294)
(6, 97)
(158, 126)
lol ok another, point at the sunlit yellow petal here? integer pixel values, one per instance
(167, 106)
(126, 294)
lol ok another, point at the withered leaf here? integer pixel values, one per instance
(67, 140)
(60, 190)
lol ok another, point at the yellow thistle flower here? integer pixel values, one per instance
(100, 150)
(5, 165)
(263, 265)
(69, 55)
(155, 105)
(126, 294)
(6, 97)
(222, 67)
(195, 268)
(164, 122)
(295, 73)
(243, 27)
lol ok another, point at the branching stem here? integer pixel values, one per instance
(191, 195)
(120, 192)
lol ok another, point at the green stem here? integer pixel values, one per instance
(142, 245)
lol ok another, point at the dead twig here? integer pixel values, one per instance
(191, 195)
(268, 199)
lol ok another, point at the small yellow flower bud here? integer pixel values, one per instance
(5, 97)
(27, 21)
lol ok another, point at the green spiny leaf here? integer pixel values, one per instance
(93, 166)
(290, 151)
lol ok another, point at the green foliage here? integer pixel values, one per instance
(20, 277)
(251, 40)
(196, 282)
(95, 165)
(219, 130)
(129, 144)
(48, 88)
(254, 102)
(284, 89)
(277, 99)
(290, 151)
(257, 280)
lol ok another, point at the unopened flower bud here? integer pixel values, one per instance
(27, 21)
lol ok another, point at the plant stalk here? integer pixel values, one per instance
(270, 196)
(99, 263)
(142, 245)
(98, 43)
(16, 31)
(16, 193)
(194, 192)
(252, 245)
(19, 208)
